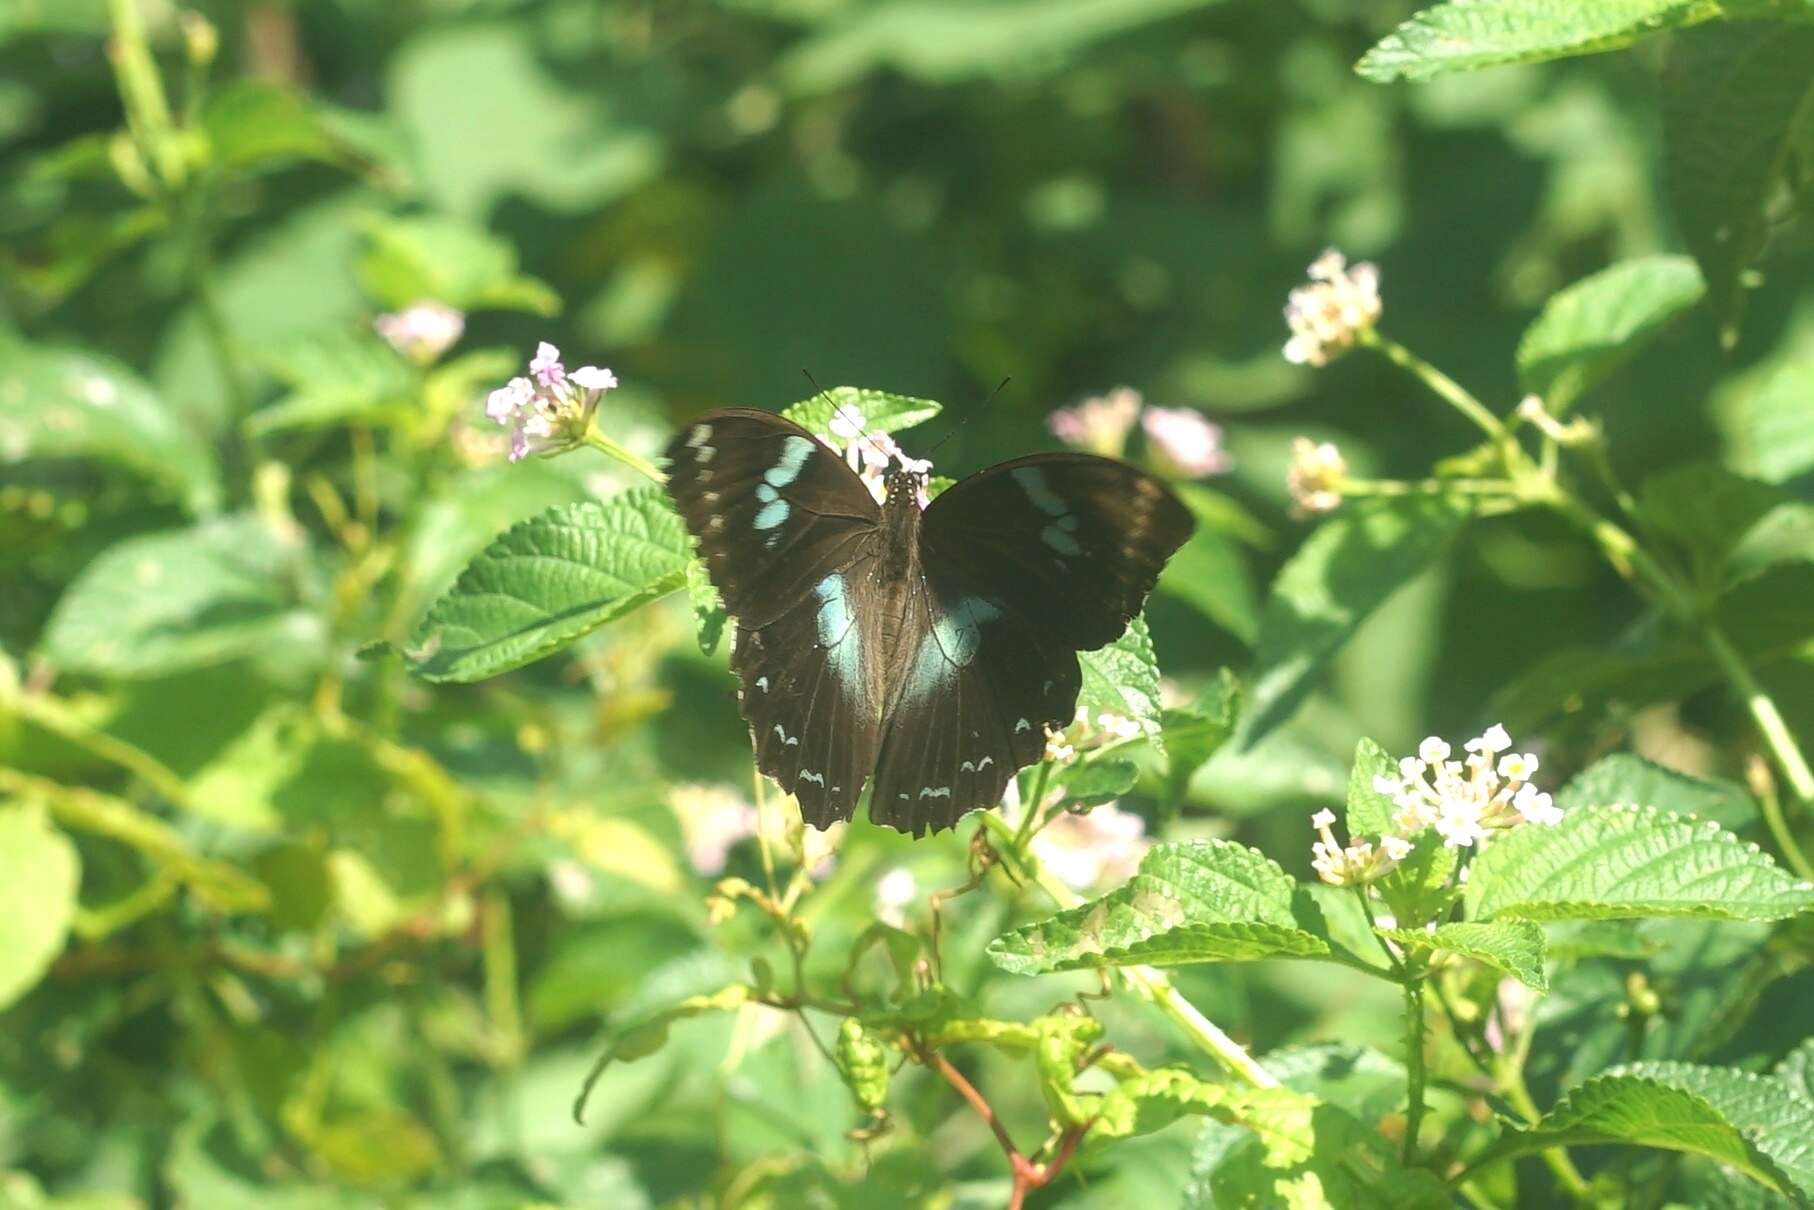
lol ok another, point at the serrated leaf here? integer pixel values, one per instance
(1739, 102)
(1796, 1071)
(1153, 1100)
(1773, 426)
(1512, 947)
(1202, 901)
(1749, 1122)
(166, 602)
(1123, 678)
(1094, 782)
(1420, 888)
(1467, 34)
(1609, 862)
(1343, 572)
(1591, 328)
(1625, 777)
(448, 260)
(549, 581)
(1370, 810)
(708, 607)
(1706, 509)
(881, 411)
(67, 403)
(1195, 733)
(1352, 1167)
(39, 874)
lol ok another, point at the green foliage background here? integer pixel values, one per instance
(345, 938)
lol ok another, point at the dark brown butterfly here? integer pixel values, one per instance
(931, 648)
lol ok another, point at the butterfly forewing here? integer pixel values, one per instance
(790, 538)
(1072, 542)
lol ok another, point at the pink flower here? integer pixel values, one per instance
(550, 411)
(1099, 424)
(1097, 848)
(1183, 443)
(422, 331)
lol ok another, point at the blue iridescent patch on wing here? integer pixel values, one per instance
(838, 632)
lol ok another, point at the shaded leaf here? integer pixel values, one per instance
(1706, 509)
(1625, 777)
(1093, 782)
(551, 580)
(1463, 35)
(1208, 574)
(66, 403)
(1595, 325)
(1194, 734)
(1739, 102)
(167, 602)
(1343, 572)
(258, 124)
(451, 261)
(1607, 862)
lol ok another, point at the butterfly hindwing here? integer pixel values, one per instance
(976, 686)
(789, 536)
(1072, 542)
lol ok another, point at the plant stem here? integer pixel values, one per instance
(635, 461)
(1771, 805)
(1451, 391)
(1153, 984)
(1763, 710)
(1414, 1061)
(1557, 1159)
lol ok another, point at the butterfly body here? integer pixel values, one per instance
(931, 648)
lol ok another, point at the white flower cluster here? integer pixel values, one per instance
(1325, 316)
(1468, 800)
(1316, 476)
(550, 410)
(421, 331)
(1099, 847)
(871, 455)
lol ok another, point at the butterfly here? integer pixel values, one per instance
(930, 647)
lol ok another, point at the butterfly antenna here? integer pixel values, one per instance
(965, 418)
(861, 431)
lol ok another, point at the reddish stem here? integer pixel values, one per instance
(1028, 1175)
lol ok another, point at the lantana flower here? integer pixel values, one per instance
(1099, 424)
(421, 331)
(1327, 315)
(872, 454)
(1489, 790)
(1099, 847)
(1183, 443)
(1355, 864)
(1316, 476)
(712, 819)
(549, 411)
(894, 891)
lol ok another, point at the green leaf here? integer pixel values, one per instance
(1419, 889)
(1195, 733)
(67, 403)
(1153, 1100)
(487, 121)
(1773, 427)
(39, 874)
(642, 1036)
(336, 378)
(1706, 509)
(1208, 574)
(1467, 34)
(1202, 901)
(939, 43)
(1343, 572)
(1370, 810)
(166, 602)
(708, 607)
(551, 580)
(1796, 1071)
(449, 260)
(882, 412)
(1352, 1167)
(1123, 678)
(1094, 782)
(1608, 862)
(1511, 947)
(1749, 1122)
(1591, 328)
(1739, 105)
(257, 124)
(1626, 778)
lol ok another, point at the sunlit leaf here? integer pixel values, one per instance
(1123, 679)
(39, 871)
(1513, 947)
(1466, 34)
